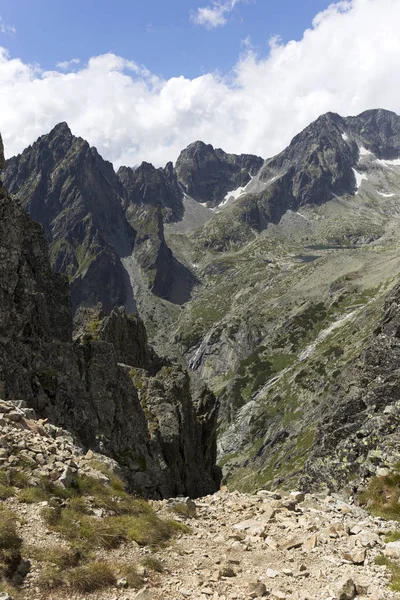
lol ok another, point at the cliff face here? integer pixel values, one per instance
(88, 386)
(208, 174)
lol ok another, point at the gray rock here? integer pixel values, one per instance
(345, 589)
(392, 549)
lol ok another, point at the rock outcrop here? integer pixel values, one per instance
(156, 187)
(87, 386)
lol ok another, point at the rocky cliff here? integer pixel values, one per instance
(358, 430)
(67, 187)
(208, 174)
(164, 443)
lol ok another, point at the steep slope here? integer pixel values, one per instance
(67, 187)
(97, 223)
(165, 442)
(152, 197)
(280, 313)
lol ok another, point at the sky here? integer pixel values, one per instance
(141, 80)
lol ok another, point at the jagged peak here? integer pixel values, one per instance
(61, 129)
(376, 112)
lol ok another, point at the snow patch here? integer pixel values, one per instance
(345, 137)
(364, 151)
(234, 194)
(389, 163)
(303, 217)
(385, 195)
(359, 178)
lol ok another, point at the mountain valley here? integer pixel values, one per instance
(266, 278)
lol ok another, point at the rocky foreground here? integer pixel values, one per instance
(295, 546)
(240, 546)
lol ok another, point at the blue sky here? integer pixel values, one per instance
(157, 33)
(151, 77)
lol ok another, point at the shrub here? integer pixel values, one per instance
(14, 478)
(6, 492)
(9, 539)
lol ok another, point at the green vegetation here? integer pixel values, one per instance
(73, 564)
(153, 564)
(382, 496)
(129, 518)
(90, 578)
(10, 541)
(394, 569)
(30, 495)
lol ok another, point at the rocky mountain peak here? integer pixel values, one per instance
(208, 174)
(147, 185)
(61, 129)
(379, 132)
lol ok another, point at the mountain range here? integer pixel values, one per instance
(272, 280)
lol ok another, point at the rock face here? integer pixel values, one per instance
(67, 187)
(359, 426)
(156, 187)
(82, 385)
(318, 162)
(208, 174)
(93, 219)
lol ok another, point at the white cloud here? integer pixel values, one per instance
(67, 64)
(6, 28)
(347, 62)
(214, 15)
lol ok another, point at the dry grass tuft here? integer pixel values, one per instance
(153, 564)
(90, 578)
(382, 496)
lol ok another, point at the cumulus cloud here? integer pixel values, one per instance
(67, 64)
(6, 28)
(346, 62)
(214, 15)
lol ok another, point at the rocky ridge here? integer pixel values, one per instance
(209, 174)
